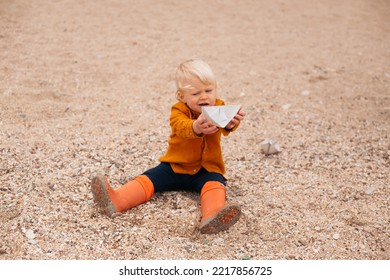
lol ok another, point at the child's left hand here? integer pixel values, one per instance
(236, 120)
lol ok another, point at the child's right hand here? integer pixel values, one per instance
(204, 126)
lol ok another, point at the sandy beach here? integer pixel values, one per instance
(87, 87)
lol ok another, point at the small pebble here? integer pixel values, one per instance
(219, 240)
(370, 190)
(30, 234)
(336, 236)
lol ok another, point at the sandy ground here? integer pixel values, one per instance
(86, 86)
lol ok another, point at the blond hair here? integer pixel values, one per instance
(194, 68)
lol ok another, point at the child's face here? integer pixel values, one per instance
(197, 94)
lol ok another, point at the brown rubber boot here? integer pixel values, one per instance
(112, 202)
(216, 215)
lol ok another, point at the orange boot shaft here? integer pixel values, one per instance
(133, 193)
(212, 198)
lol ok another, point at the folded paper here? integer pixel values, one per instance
(270, 146)
(220, 115)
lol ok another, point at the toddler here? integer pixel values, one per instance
(193, 160)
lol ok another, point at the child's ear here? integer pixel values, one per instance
(180, 96)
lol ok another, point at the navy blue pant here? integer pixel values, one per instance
(165, 179)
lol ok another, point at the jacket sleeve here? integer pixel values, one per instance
(181, 124)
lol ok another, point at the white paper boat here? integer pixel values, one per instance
(220, 115)
(270, 146)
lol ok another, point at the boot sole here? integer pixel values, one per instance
(221, 221)
(101, 197)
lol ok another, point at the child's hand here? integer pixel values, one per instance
(204, 126)
(236, 120)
